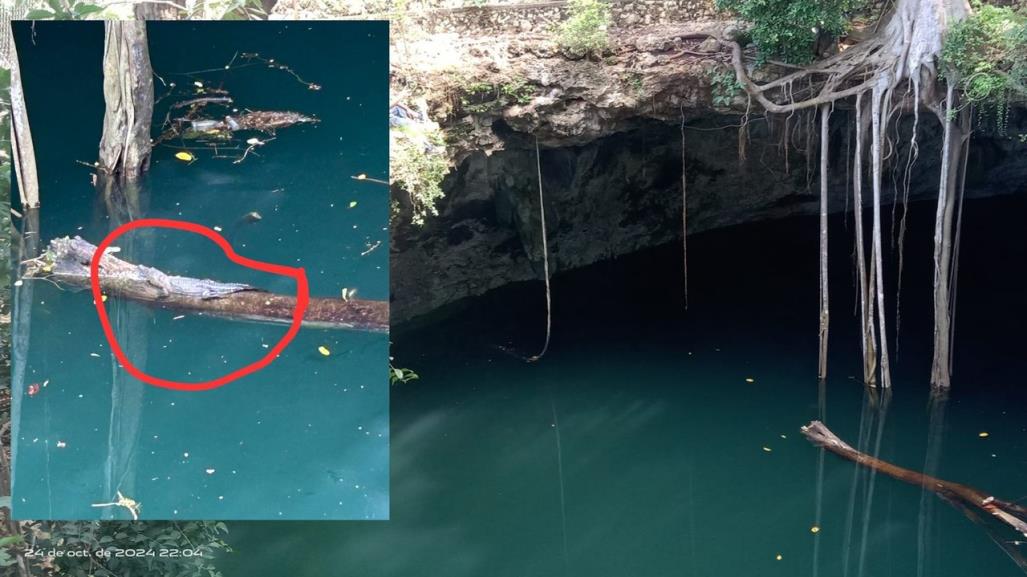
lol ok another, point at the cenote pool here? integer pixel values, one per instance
(306, 438)
(637, 447)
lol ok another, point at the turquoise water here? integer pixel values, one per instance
(306, 438)
(636, 446)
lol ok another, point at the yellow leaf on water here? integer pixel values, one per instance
(185, 156)
(361, 176)
(352, 204)
(750, 380)
(779, 557)
(103, 298)
(767, 449)
(324, 350)
(814, 529)
(982, 434)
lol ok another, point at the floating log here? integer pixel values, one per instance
(962, 496)
(66, 262)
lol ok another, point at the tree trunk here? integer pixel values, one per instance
(1009, 513)
(22, 152)
(128, 93)
(67, 262)
(866, 319)
(952, 153)
(825, 114)
(877, 119)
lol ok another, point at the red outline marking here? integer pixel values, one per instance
(297, 274)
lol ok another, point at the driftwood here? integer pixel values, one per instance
(66, 262)
(964, 497)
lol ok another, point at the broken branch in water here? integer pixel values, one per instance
(66, 261)
(968, 499)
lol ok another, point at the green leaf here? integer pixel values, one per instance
(81, 10)
(40, 15)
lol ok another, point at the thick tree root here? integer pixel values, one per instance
(67, 260)
(962, 496)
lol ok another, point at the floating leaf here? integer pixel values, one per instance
(814, 529)
(767, 449)
(361, 176)
(324, 350)
(352, 204)
(750, 380)
(982, 434)
(185, 156)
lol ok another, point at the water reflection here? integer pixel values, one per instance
(123, 202)
(928, 532)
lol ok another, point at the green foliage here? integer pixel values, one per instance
(788, 29)
(417, 165)
(724, 87)
(637, 83)
(480, 97)
(584, 31)
(160, 548)
(64, 10)
(986, 56)
(397, 375)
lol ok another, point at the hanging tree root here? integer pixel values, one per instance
(66, 262)
(962, 496)
(898, 70)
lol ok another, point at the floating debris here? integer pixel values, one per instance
(217, 228)
(94, 355)
(352, 204)
(252, 216)
(371, 247)
(185, 156)
(779, 557)
(132, 505)
(33, 389)
(814, 529)
(348, 293)
(750, 380)
(61, 444)
(324, 350)
(767, 449)
(209, 471)
(178, 317)
(982, 434)
(366, 178)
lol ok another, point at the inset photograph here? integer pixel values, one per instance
(200, 315)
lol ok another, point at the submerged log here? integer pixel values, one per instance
(66, 262)
(962, 496)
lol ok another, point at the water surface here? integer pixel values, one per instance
(637, 446)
